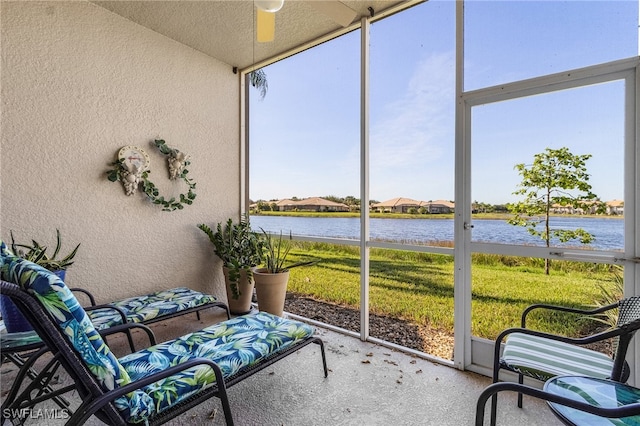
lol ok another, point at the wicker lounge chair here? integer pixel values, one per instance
(150, 308)
(146, 309)
(22, 349)
(154, 385)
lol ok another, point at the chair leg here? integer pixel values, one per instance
(39, 388)
(130, 339)
(324, 357)
(520, 381)
(224, 399)
(494, 397)
(24, 370)
(494, 409)
(222, 394)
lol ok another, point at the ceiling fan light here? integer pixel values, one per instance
(271, 6)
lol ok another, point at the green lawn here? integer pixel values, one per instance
(418, 287)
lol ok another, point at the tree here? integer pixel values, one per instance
(556, 177)
(258, 79)
(333, 198)
(350, 200)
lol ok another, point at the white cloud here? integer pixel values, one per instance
(415, 127)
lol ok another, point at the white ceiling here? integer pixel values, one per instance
(225, 30)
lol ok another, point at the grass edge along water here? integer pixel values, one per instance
(418, 287)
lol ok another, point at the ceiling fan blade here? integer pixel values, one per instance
(266, 26)
(339, 12)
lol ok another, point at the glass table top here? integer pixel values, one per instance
(598, 392)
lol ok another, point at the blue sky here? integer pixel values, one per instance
(305, 133)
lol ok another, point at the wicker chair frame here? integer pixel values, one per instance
(97, 402)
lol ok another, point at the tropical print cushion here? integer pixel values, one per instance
(234, 345)
(64, 308)
(150, 306)
(4, 250)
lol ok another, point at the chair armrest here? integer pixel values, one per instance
(607, 334)
(625, 411)
(120, 311)
(83, 413)
(124, 328)
(92, 299)
(589, 312)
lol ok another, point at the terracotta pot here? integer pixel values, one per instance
(271, 290)
(242, 304)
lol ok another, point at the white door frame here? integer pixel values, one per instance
(473, 353)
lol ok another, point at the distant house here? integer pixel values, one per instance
(285, 205)
(396, 205)
(313, 204)
(559, 209)
(593, 207)
(438, 206)
(615, 207)
(403, 205)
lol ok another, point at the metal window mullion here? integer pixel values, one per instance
(244, 143)
(580, 77)
(632, 183)
(462, 238)
(364, 179)
(632, 205)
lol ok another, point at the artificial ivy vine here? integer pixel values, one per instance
(177, 162)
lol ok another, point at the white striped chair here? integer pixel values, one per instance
(542, 356)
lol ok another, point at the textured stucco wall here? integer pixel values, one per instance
(77, 84)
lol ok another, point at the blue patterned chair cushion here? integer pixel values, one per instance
(57, 299)
(234, 345)
(151, 306)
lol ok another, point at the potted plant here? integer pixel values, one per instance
(36, 253)
(271, 280)
(240, 250)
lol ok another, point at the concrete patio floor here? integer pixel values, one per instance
(368, 384)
